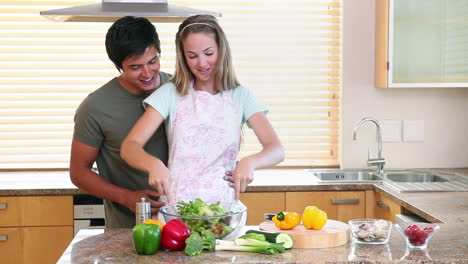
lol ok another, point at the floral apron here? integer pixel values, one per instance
(204, 143)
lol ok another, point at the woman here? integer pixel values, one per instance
(203, 107)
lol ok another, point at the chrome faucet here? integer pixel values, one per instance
(379, 161)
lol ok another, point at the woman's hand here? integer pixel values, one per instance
(228, 177)
(271, 154)
(242, 176)
(158, 178)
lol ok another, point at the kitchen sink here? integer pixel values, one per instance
(345, 176)
(414, 181)
(413, 177)
(399, 180)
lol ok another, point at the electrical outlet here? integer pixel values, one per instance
(391, 130)
(413, 130)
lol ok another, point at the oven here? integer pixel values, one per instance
(88, 212)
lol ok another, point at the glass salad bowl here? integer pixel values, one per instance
(224, 226)
(417, 235)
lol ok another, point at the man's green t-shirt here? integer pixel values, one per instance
(103, 120)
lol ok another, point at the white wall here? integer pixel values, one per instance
(444, 110)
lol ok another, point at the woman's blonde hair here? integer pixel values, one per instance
(225, 77)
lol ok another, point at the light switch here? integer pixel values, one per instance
(413, 130)
(391, 130)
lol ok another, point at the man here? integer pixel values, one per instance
(106, 116)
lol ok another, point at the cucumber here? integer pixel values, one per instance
(273, 237)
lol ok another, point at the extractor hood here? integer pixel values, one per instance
(111, 10)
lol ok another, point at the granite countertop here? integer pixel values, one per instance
(116, 246)
(449, 245)
(21, 183)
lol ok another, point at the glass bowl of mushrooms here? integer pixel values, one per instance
(370, 231)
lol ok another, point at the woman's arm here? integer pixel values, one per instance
(271, 154)
(133, 153)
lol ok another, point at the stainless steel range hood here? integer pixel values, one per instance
(111, 10)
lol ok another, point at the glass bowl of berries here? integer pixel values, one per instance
(417, 235)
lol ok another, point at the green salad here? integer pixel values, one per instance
(218, 226)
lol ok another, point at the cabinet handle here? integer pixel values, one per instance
(345, 201)
(383, 205)
(4, 238)
(3, 206)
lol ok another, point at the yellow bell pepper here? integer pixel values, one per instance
(314, 218)
(287, 220)
(154, 222)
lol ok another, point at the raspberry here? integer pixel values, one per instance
(416, 236)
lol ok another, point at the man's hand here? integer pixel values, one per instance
(150, 196)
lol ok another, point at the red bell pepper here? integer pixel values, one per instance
(174, 234)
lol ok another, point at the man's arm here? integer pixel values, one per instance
(82, 159)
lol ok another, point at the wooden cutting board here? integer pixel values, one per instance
(334, 233)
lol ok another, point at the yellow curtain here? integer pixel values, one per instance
(287, 52)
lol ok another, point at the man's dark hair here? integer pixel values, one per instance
(130, 36)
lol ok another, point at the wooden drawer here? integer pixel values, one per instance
(34, 244)
(36, 211)
(342, 206)
(380, 206)
(260, 203)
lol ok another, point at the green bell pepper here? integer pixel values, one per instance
(146, 238)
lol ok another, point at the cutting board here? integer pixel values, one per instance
(334, 233)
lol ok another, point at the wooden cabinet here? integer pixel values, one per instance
(421, 43)
(339, 205)
(35, 229)
(259, 203)
(380, 206)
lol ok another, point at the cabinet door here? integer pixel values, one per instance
(342, 206)
(260, 203)
(35, 229)
(39, 245)
(421, 43)
(36, 210)
(380, 206)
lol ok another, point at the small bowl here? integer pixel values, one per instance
(417, 235)
(370, 231)
(224, 226)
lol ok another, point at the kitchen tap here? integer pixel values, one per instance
(379, 161)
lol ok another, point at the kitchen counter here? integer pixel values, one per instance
(24, 183)
(449, 245)
(281, 180)
(116, 246)
(59, 183)
(433, 206)
(21, 183)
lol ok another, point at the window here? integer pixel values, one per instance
(287, 52)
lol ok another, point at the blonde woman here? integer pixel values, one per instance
(203, 108)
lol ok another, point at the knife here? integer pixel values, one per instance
(268, 216)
